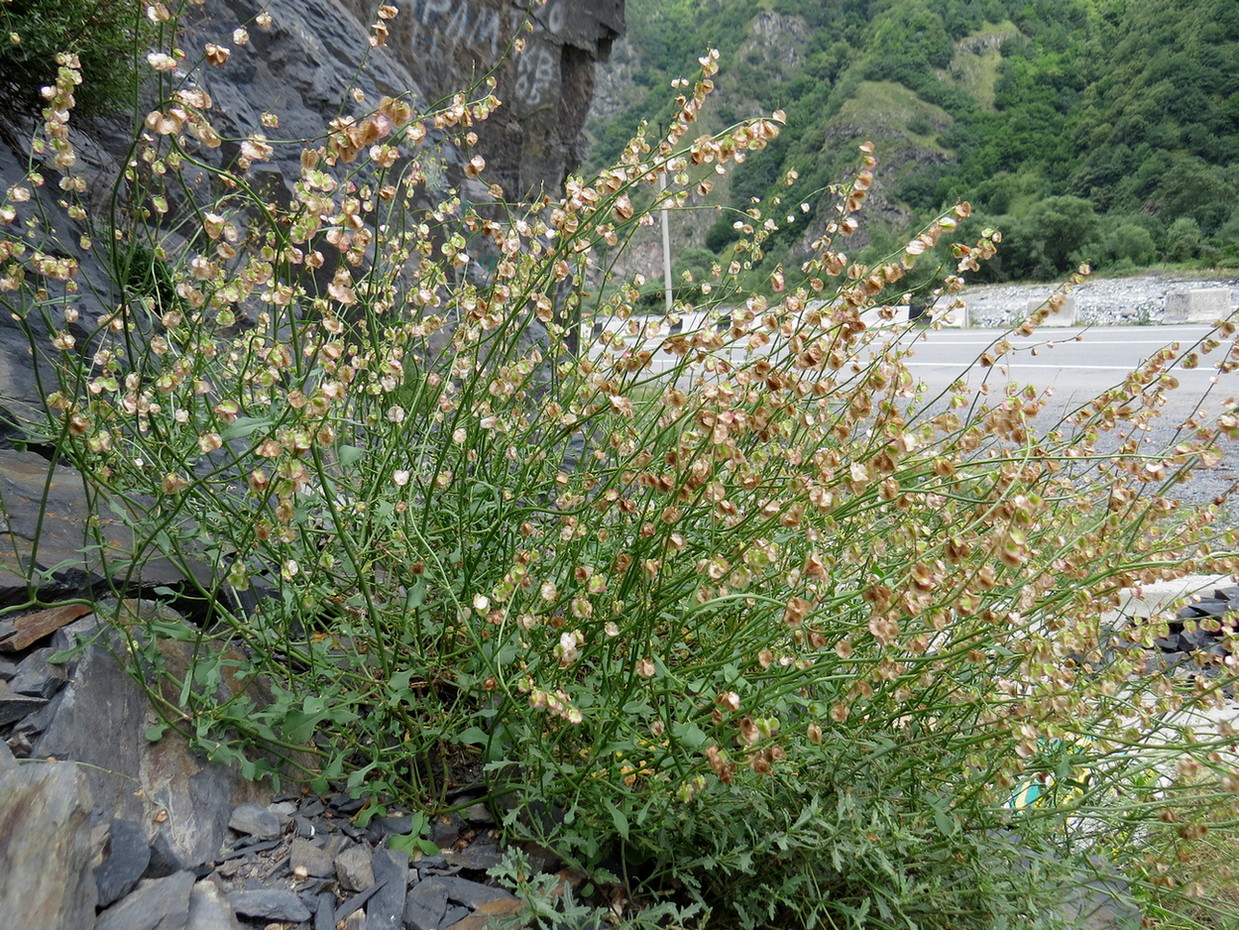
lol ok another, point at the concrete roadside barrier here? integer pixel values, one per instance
(1065, 315)
(1197, 305)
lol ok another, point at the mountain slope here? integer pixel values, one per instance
(1123, 114)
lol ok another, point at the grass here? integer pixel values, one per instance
(976, 64)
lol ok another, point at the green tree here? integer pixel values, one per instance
(1046, 240)
(1127, 244)
(1184, 240)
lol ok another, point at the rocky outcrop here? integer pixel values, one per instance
(532, 142)
(302, 66)
(111, 824)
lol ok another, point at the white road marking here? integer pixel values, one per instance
(1023, 364)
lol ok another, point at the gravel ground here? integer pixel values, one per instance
(1138, 300)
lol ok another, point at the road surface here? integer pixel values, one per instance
(1076, 364)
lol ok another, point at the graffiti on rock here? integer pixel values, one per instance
(536, 71)
(457, 23)
(552, 17)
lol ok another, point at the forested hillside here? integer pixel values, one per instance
(1099, 130)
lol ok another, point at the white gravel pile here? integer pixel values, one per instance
(1106, 301)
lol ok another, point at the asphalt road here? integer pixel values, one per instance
(1074, 365)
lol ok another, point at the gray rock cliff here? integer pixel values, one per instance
(303, 65)
(532, 142)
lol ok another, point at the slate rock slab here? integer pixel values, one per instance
(425, 905)
(478, 857)
(36, 678)
(255, 820)
(128, 856)
(209, 909)
(47, 849)
(156, 904)
(195, 797)
(43, 513)
(490, 914)
(354, 870)
(473, 894)
(269, 904)
(28, 629)
(305, 858)
(385, 911)
(14, 706)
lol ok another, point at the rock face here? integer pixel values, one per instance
(43, 517)
(46, 846)
(531, 143)
(303, 68)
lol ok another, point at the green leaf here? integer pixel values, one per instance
(689, 734)
(617, 816)
(416, 596)
(473, 736)
(242, 427)
(350, 455)
(155, 732)
(314, 704)
(299, 727)
(411, 843)
(947, 826)
(61, 656)
(638, 708)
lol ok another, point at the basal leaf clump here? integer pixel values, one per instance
(732, 616)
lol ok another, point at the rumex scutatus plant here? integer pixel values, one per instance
(735, 618)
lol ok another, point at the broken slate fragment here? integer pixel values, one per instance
(164, 859)
(14, 707)
(476, 858)
(325, 912)
(391, 873)
(209, 909)
(382, 827)
(304, 828)
(343, 804)
(478, 813)
(473, 894)
(269, 904)
(445, 830)
(47, 847)
(255, 820)
(435, 865)
(30, 628)
(357, 901)
(306, 859)
(425, 905)
(129, 854)
(485, 917)
(156, 904)
(36, 678)
(354, 870)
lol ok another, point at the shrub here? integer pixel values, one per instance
(106, 35)
(1184, 240)
(1127, 243)
(737, 620)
